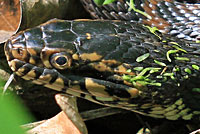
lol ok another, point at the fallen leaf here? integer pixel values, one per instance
(59, 124)
(10, 16)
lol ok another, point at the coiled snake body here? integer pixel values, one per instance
(117, 63)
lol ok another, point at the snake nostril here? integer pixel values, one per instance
(20, 51)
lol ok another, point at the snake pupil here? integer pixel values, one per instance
(61, 60)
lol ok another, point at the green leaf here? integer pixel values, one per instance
(195, 67)
(12, 115)
(99, 2)
(108, 2)
(196, 90)
(142, 57)
(187, 70)
(132, 5)
(178, 48)
(153, 30)
(170, 52)
(182, 58)
(160, 63)
(103, 2)
(138, 68)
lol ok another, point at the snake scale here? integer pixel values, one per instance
(116, 63)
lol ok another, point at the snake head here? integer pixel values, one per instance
(119, 64)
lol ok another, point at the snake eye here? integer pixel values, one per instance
(61, 60)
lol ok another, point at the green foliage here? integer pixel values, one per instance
(103, 2)
(142, 57)
(12, 115)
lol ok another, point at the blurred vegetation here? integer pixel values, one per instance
(12, 113)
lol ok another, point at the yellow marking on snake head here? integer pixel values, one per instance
(88, 36)
(59, 82)
(90, 56)
(45, 78)
(32, 61)
(75, 57)
(133, 92)
(110, 62)
(101, 67)
(21, 70)
(37, 82)
(18, 73)
(31, 74)
(53, 87)
(95, 88)
(76, 88)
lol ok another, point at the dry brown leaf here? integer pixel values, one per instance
(10, 16)
(59, 124)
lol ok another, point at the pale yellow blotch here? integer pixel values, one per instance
(45, 78)
(51, 86)
(133, 92)
(47, 64)
(26, 78)
(90, 56)
(95, 88)
(13, 69)
(37, 82)
(88, 36)
(59, 83)
(76, 88)
(13, 65)
(32, 61)
(18, 73)
(110, 62)
(101, 67)
(75, 57)
(31, 74)
(21, 70)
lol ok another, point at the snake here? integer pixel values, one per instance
(119, 63)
